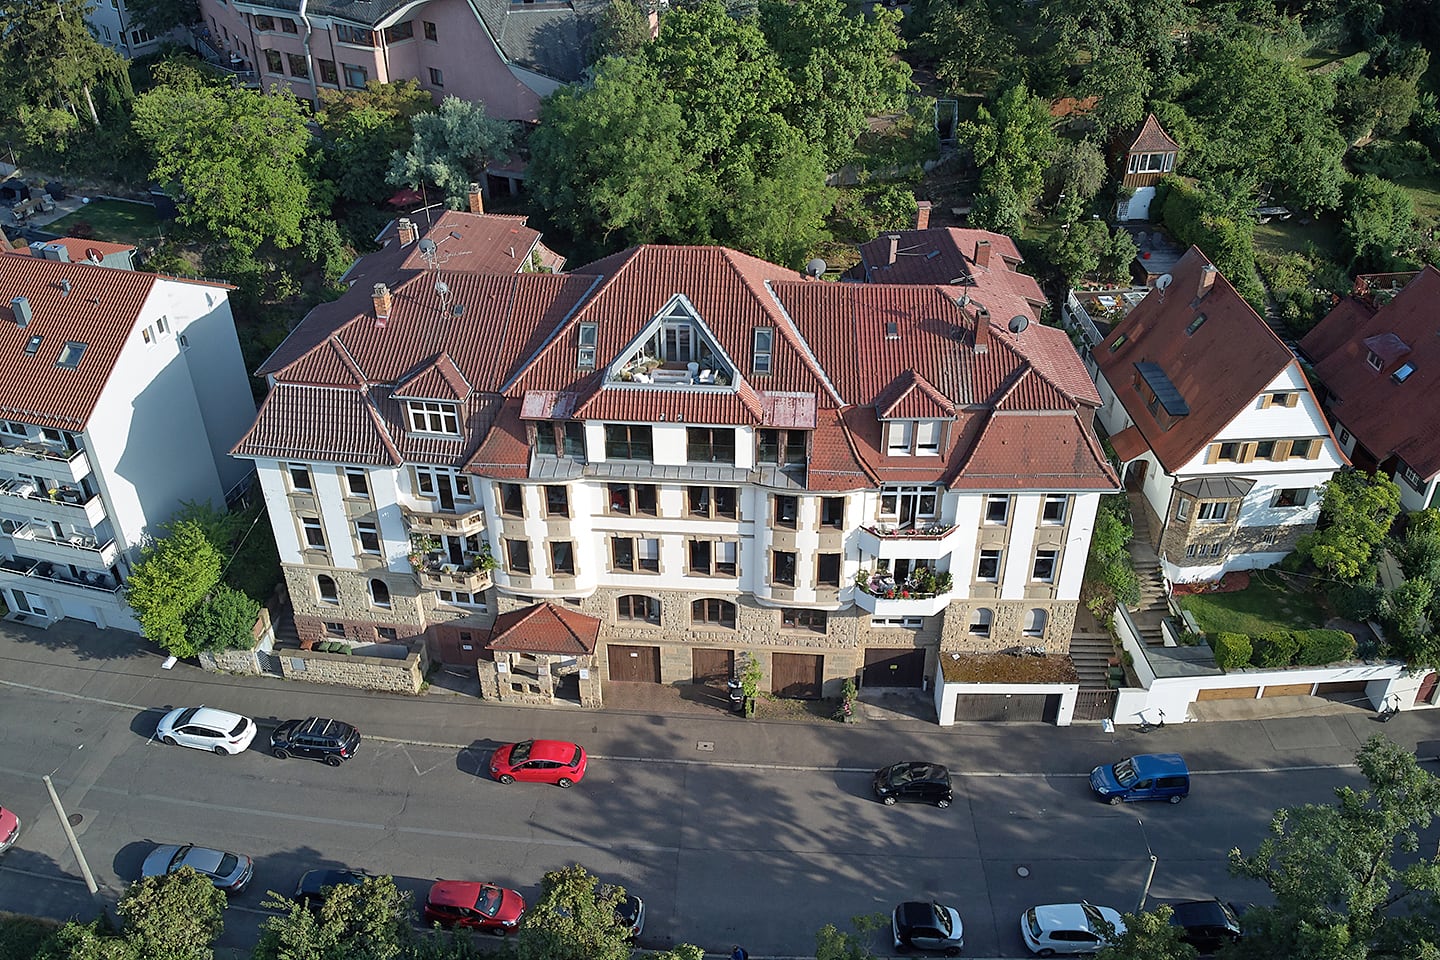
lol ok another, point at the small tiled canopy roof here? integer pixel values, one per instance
(1152, 138)
(545, 628)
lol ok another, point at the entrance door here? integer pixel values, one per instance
(712, 666)
(1426, 693)
(799, 676)
(635, 664)
(893, 668)
(1135, 474)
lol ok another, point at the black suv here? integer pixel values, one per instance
(315, 885)
(922, 782)
(1207, 924)
(317, 738)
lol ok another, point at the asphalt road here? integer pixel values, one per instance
(760, 839)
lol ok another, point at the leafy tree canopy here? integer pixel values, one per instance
(1148, 936)
(172, 578)
(1013, 143)
(49, 58)
(621, 30)
(364, 921)
(174, 917)
(1379, 224)
(450, 148)
(159, 17)
(362, 129)
(1357, 512)
(573, 920)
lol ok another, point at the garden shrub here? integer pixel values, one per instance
(1356, 601)
(1293, 561)
(1275, 649)
(1231, 650)
(1321, 647)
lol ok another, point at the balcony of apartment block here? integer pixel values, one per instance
(922, 594)
(28, 573)
(438, 573)
(67, 505)
(40, 542)
(922, 541)
(460, 521)
(52, 460)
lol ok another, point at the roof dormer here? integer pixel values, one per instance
(676, 349)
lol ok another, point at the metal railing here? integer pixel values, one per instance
(44, 570)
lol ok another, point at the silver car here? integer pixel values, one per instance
(206, 728)
(228, 871)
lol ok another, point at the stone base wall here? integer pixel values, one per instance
(230, 661)
(533, 679)
(1007, 626)
(365, 673)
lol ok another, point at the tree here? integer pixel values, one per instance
(781, 203)
(173, 576)
(159, 17)
(1407, 614)
(1013, 143)
(832, 943)
(49, 58)
(1419, 550)
(1356, 515)
(1077, 248)
(238, 156)
(450, 148)
(1379, 223)
(1109, 575)
(1121, 80)
(1148, 936)
(963, 38)
(174, 917)
(574, 920)
(1339, 891)
(621, 30)
(223, 620)
(362, 129)
(1077, 172)
(364, 921)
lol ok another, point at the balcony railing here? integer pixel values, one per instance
(448, 576)
(45, 570)
(51, 460)
(927, 541)
(459, 523)
(75, 549)
(66, 506)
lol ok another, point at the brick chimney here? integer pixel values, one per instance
(406, 231)
(922, 214)
(982, 253)
(1207, 280)
(477, 202)
(893, 249)
(381, 296)
(982, 330)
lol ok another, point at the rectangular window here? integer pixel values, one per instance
(1291, 497)
(1344, 435)
(512, 500)
(355, 76)
(726, 554)
(1214, 511)
(1374, 360)
(1229, 452)
(713, 557)
(519, 553)
(927, 438)
(557, 501)
(710, 444)
(1044, 566)
(359, 36)
(783, 571)
(827, 569)
(387, 634)
(357, 483)
(997, 508)
(701, 560)
(1055, 508)
(298, 66)
(545, 443)
(437, 77)
(781, 447)
(273, 62)
(634, 607)
(989, 568)
(314, 533)
(400, 31)
(1215, 549)
(901, 434)
(713, 612)
(622, 554)
(431, 416)
(431, 33)
(586, 337)
(286, 25)
(787, 511)
(1194, 550)
(300, 478)
(647, 554)
(368, 535)
(262, 21)
(712, 502)
(633, 556)
(1182, 509)
(908, 623)
(573, 437)
(562, 557)
(1413, 478)
(624, 441)
(1304, 449)
(832, 512)
(327, 72)
(461, 599)
(760, 362)
(813, 620)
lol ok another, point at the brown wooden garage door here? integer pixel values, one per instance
(640, 664)
(1287, 690)
(893, 668)
(1342, 686)
(713, 666)
(1228, 693)
(797, 675)
(1036, 707)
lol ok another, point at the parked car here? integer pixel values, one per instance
(206, 728)
(539, 761)
(1145, 776)
(9, 829)
(316, 885)
(919, 925)
(228, 871)
(630, 911)
(1208, 925)
(913, 781)
(1069, 928)
(317, 738)
(477, 906)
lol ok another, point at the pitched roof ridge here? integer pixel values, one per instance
(797, 340)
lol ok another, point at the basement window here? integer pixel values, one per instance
(70, 355)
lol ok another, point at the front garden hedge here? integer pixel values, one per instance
(1282, 648)
(1232, 650)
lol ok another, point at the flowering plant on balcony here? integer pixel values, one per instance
(927, 530)
(922, 583)
(483, 560)
(421, 546)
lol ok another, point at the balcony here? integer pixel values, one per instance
(933, 541)
(82, 551)
(457, 524)
(65, 507)
(46, 459)
(922, 594)
(434, 575)
(28, 573)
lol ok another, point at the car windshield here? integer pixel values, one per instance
(1230, 914)
(186, 716)
(228, 863)
(179, 858)
(239, 727)
(942, 919)
(521, 752)
(1098, 923)
(488, 902)
(907, 772)
(1125, 773)
(575, 760)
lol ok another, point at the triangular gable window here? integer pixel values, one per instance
(675, 348)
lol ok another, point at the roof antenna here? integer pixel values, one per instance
(442, 290)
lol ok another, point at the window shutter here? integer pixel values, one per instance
(1212, 455)
(1247, 452)
(1292, 399)
(1315, 447)
(1282, 450)
(1265, 400)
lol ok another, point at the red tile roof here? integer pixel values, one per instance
(1388, 418)
(439, 380)
(100, 310)
(78, 248)
(1152, 138)
(545, 628)
(946, 255)
(1219, 368)
(911, 397)
(332, 425)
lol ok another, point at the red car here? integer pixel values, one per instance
(9, 829)
(477, 906)
(539, 761)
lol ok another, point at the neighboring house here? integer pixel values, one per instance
(1147, 157)
(507, 54)
(676, 457)
(1377, 358)
(1215, 425)
(121, 394)
(115, 26)
(79, 250)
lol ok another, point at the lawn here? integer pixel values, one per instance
(1267, 604)
(1425, 191)
(117, 221)
(1291, 236)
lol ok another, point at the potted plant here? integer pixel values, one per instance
(750, 679)
(421, 545)
(846, 711)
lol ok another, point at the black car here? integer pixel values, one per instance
(918, 925)
(921, 782)
(315, 885)
(317, 738)
(1208, 924)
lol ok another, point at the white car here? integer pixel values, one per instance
(206, 728)
(1069, 928)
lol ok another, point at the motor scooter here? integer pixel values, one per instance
(736, 691)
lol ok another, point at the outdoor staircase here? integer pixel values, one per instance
(1091, 654)
(1153, 607)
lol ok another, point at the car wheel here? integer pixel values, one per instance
(333, 761)
(169, 740)
(1047, 952)
(220, 751)
(279, 754)
(499, 931)
(1176, 799)
(952, 951)
(888, 801)
(567, 782)
(942, 804)
(505, 778)
(1115, 801)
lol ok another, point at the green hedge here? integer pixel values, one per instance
(1319, 647)
(1282, 648)
(1274, 649)
(1231, 650)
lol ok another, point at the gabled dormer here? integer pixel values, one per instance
(677, 349)
(1150, 155)
(914, 415)
(432, 396)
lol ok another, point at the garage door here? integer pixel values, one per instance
(640, 664)
(797, 675)
(1342, 686)
(1228, 693)
(1036, 707)
(712, 666)
(1287, 690)
(893, 668)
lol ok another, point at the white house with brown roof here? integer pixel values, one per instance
(706, 455)
(1377, 359)
(1215, 425)
(1146, 158)
(121, 394)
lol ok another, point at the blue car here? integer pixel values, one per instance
(1145, 776)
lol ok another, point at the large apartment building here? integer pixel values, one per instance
(673, 457)
(121, 394)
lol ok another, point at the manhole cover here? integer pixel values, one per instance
(706, 745)
(1022, 872)
(76, 819)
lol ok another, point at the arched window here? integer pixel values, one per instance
(329, 593)
(980, 620)
(380, 593)
(638, 608)
(712, 613)
(1035, 622)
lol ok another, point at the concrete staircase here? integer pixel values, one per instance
(1153, 607)
(1091, 654)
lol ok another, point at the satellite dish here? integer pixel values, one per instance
(1019, 322)
(964, 300)
(92, 254)
(816, 268)
(1163, 281)
(427, 247)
